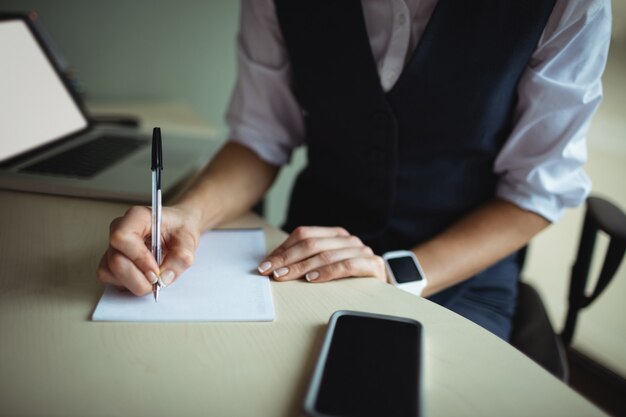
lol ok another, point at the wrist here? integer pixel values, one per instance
(195, 214)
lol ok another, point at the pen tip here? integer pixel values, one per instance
(155, 291)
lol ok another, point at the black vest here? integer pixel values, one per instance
(397, 168)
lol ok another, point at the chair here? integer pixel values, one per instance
(533, 333)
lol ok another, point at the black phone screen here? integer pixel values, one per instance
(372, 368)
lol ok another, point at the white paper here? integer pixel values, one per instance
(222, 285)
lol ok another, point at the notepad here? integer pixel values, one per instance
(222, 285)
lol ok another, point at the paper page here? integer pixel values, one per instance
(222, 285)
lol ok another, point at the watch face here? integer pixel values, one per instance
(404, 269)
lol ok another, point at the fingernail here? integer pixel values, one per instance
(152, 277)
(264, 266)
(311, 276)
(280, 272)
(167, 277)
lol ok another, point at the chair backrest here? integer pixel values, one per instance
(533, 334)
(601, 215)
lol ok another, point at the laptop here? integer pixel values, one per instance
(48, 144)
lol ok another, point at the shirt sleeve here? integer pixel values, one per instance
(263, 113)
(541, 163)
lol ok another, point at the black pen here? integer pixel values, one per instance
(156, 168)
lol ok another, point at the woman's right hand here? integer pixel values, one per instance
(128, 261)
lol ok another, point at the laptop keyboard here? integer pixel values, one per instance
(88, 159)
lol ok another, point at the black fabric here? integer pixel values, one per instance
(454, 105)
(397, 168)
(350, 130)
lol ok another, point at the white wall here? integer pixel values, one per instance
(155, 50)
(144, 49)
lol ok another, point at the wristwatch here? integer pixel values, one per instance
(405, 271)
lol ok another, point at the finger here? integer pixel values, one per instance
(128, 235)
(137, 219)
(103, 273)
(301, 269)
(370, 266)
(108, 278)
(279, 264)
(309, 232)
(126, 273)
(179, 255)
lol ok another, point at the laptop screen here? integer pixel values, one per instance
(35, 106)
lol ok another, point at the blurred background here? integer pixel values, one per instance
(183, 52)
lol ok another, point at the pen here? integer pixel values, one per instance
(156, 168)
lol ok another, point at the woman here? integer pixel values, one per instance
(454, 130)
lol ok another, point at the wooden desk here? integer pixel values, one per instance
(55, 362)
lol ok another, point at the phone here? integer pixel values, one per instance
(370, 365)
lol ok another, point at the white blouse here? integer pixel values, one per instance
(540, 166)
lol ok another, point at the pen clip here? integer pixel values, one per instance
(157, 155)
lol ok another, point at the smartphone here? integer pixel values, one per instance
(370, 365)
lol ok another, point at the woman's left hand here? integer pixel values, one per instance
(322, 254)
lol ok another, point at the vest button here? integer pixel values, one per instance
(380, 119)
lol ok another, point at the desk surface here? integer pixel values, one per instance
(55, 362)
